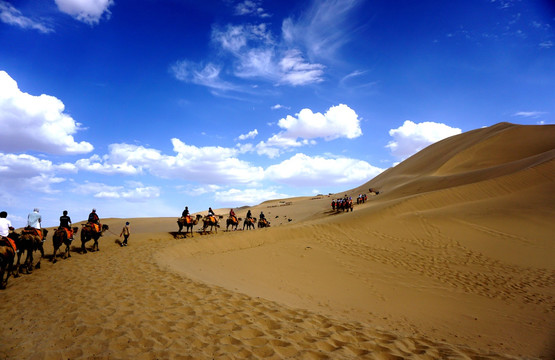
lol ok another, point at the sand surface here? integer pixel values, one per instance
(453, 259)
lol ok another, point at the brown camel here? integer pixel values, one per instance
(188, 223)
(249, 223)
(262, 223)
(7, 256)
(211, 221)
(233, 221)
(61, 237)
(30, 241)
(89, 232)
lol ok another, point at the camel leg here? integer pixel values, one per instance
(83, 248)
(41, 249)
(54, 255)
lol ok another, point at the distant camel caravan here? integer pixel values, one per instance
(91, 232)
(188, 222)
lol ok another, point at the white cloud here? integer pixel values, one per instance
(279, 106)
(206, 75)
(257, 55)
(26, 173)
(302, 129)
(251, 7)
(338, 121)
(304, 170)
(87, 11)
(296, 71)
(237, 197)
(209, 165)
(250, 135)
(410, 138)
(323, 29)
(532, 114)
(10, 15)
(131, 191)
(38, 123)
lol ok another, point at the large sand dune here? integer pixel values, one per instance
(453, 259)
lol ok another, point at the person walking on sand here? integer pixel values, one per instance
(125, 232)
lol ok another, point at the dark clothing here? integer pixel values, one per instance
(65, 222)
(262, 216)
(93, 218)
(249, 215)
(185, 213)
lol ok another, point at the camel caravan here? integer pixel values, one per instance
(187, 222)
(14, 246)
(345, 204)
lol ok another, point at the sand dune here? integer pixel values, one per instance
(453, 259)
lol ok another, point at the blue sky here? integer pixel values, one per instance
(140, 108)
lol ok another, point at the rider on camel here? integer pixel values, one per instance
(5, 228)
(93, 219)
(185, 215)
(65, 223)
(211, 214)
(34, 220)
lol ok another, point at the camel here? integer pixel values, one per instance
(7, 256)
(262, 223)
(211, 221)
(233, 221)
(188, 223)
(249, 222)
(88, 232)
(61, 237)
(30, 241)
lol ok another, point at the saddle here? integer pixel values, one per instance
(69, 232)
(212, 218)
(234, 218)
(7, 240)
(95, 227)
(32, 231)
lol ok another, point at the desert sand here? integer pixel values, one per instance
(453, 259)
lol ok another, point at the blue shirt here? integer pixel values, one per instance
(34, 219)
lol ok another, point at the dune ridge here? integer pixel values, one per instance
(452, 260)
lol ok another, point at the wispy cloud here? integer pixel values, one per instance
(10, 15)
(251, 7)
(323, 29)
(530, 114)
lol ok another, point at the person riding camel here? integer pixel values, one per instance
(33, 221)
(211, 214)
(186, 216)
(232, 215)
(65, 223)
(94, 220)
(249, 214)
(5, 228)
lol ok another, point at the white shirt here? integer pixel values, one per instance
(5, 225)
